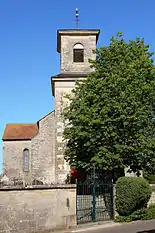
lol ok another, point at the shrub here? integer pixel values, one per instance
(138, 214)
(123, 219)
(150, 213)
(141, 214)
(132, 194)
(149, 177)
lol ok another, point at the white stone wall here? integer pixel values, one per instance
(64, 86)
(62, 166)
(61, 88)
(13, 158)
(42, 155)
(67, 44)
(132, 174)
(43, 151)
(152, 199)
(38, 210)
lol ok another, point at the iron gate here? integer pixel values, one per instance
(94, 201)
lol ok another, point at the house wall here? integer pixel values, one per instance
(152, 199)
(38, 210)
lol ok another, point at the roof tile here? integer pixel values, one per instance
(20, 131)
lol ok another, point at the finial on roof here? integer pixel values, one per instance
(77, 18)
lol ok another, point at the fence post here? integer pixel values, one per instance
(94, 202)
(94, 197)
(115, 214)
(76, 182)
(113, 200)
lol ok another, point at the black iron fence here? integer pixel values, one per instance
(94, 201)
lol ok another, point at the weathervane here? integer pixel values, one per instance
(77, 18)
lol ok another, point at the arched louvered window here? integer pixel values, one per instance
(78, 53)
(26, 155)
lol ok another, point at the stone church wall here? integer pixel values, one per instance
(38, 210)
(43, 151)
(62, 167)
(13, 158)
(67, 43)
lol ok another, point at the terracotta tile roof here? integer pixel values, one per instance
(20, 131)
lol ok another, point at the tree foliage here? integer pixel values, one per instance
(109, 119)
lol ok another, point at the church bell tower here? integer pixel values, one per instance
(76, 48)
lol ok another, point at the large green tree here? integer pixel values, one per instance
(110, 117)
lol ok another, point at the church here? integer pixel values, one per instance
(35, 152)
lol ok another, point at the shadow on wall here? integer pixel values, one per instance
(149, 231)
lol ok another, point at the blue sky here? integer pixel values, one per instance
(28, 55)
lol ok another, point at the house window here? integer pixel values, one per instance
(26, 160)
(78, 53)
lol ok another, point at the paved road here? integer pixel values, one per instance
(135, 227)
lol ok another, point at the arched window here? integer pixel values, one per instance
(26, 155)
(78, 53)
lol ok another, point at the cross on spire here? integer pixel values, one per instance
(77, 18)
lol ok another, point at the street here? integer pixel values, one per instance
(134, 227)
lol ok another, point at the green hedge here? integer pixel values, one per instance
(142, 214)
(132, 194)
(149, 177)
